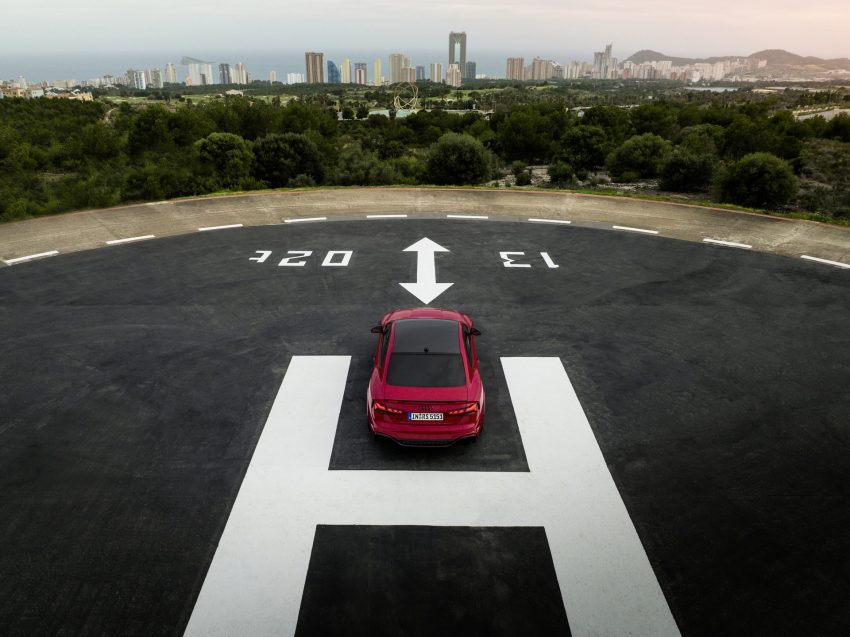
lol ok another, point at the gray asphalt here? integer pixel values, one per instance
(137, 379)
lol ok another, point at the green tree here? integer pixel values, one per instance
(362, 111)
(228, 156)
(686, 171)
(560, 173)
(758, 180)
(584, 147)
(639, 157)
(458, 159)
(280, 158)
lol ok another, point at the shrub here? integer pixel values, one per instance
(641, 155)
(686, 171)
(458, 159)
(280, 158)
(560, 173)
(757, 180)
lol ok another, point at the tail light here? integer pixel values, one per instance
(382, 407)
(471, 408)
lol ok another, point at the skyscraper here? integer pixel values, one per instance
(170, 73)
(360, 74)
(272, 77)
(315, 67)
(379, 78)
(240, 74)
(435, 72)
(153, 78)
(224, 74)
(515, 69)
(469, 72)
(333, 73)
(420, 73)
(345, 71)
(604, 64)
(408, 74)
(398, 61)
(456, 39)
(453, 76)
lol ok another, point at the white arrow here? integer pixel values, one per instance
(426, 288)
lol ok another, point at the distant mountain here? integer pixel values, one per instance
(774, 57)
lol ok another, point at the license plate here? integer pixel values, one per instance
(430, 415)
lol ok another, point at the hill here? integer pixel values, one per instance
(774, 57)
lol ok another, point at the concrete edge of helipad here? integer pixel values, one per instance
(48, 236)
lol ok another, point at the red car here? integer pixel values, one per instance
(425, 388)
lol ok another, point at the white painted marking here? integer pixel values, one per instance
(296, 254)
(564, 221)
(426, 288)
(730, 244)
(467, 217)
(256, 579)
(232, 225)
(329, 258)
(837, 264)
(549, 261)
(30, 257)
(130, 239)
(627, 228)
(510, 263)
(305, 219)
(607, 583)
(264, 254)
(386, 216)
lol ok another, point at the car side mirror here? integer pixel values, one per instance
(377, 330)
(475, 332)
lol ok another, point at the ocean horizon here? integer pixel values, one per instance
(81, 66)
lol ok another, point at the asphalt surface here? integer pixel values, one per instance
(137, 378)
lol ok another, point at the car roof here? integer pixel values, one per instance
(426, 335)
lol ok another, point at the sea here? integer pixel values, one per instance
(80, 66)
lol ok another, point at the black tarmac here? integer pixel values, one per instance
(135, 381)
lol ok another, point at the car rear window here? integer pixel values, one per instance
(426, 353)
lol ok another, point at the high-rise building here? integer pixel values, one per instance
(170, 73)
(398, 61)
(408, 74)
(294, 78)
(136, 79)
(153, 78)
(333, 73)
(315, 67)
(435, 72)
(360, 75)
(345, 71)
(272, 77)
(453, 75)
(515, 69)
(224, 74)
(240, 74)
(420, 73)
(376, 67)
(470, 70)
(194, 77)
(542, 69)
(604, 64)
(457, 40)
(207, 76)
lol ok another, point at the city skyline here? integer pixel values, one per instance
(686, 28)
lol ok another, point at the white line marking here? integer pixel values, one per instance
(837, 264)
(30, 257)
(302, 220)
(627, 228)
(386, 216)
(130, 239)
(467, 217)
(549, 220)
(730, 244)
(256, 579)
(607, 583)
(232, 225)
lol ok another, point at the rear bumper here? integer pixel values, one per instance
(430, 435)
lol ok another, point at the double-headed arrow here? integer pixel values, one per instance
(426, 288)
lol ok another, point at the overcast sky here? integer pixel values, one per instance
(675, 27)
